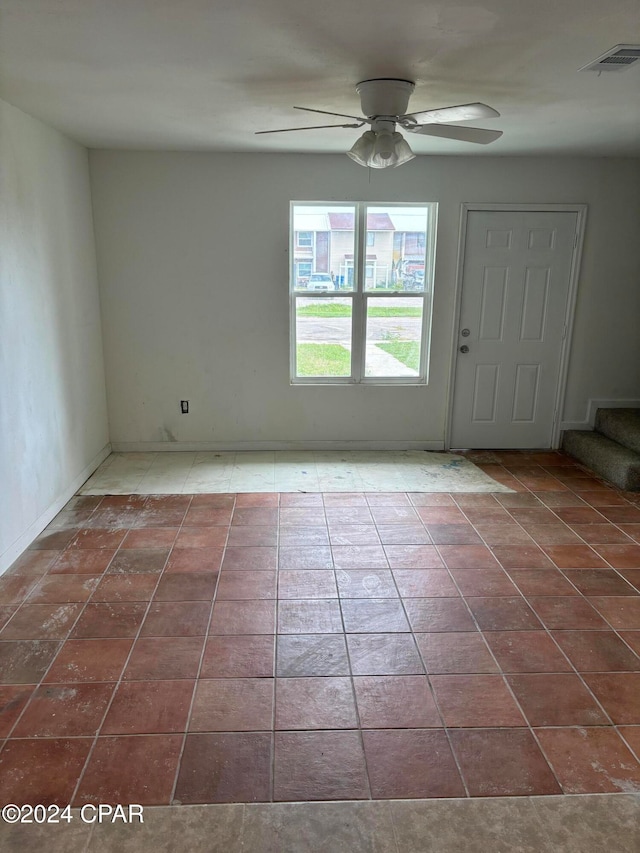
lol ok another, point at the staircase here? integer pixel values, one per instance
(612, 449)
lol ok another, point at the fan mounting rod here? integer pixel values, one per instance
(384, 96)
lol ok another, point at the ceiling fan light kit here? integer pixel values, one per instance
(384, 102)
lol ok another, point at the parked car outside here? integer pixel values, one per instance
(320, 281)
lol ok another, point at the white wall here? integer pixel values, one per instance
(53, 420)
(193, 261)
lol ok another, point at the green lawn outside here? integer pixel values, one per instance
(408, 352)
(331, 309)
(323, 360)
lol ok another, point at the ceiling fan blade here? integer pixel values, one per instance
(325, 113)
(313, 127)
(463, 112)
(464, 134)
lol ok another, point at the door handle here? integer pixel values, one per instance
(464, 348)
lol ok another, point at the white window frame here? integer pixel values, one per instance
(359, 297)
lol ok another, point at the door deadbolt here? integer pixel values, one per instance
(464, 348)
(465, 333)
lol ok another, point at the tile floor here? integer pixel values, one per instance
(259, 647)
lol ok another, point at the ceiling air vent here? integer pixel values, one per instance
(619, 58)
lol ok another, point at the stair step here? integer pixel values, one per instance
(621, 425)
(610, 460)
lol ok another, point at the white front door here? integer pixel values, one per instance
(515, 287)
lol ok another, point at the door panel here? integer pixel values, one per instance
(515, 288)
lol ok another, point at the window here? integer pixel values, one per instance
(305, 238)
(367, 319)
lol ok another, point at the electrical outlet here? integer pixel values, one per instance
(184, 407)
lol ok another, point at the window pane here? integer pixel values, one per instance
(394, 333)
(323, 336)
(396, 248)
(323, 247)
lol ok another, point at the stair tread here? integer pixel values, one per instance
(606, 457)
(621, 426)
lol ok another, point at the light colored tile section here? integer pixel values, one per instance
(319, 828)
(591, 823)
(288, 471)
(173, 829)
(63, 837)
(506, 825)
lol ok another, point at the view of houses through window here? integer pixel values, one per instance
(361, 289)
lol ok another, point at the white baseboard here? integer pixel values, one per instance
(592, 408)
(238, 446)
(22, 543)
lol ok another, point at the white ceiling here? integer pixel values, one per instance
(206, 74)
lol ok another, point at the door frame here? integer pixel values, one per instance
(465, 209)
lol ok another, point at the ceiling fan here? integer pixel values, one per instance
(384, 103)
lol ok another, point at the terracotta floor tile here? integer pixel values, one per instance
(526, 651)
(42, 771)
(65, 710)
(495, 513)
(298, 559)
(597, 651)
(475, 700)
(311, 654)
(533, 515)
(128, 769)
(251, 499)
(259, 535)
(580, 515)
(63, 589)
(164, 658)
(156, 538)
(575, 557)
(306, 584)
(395, 702)
(166, 502)
(315, 703)
(556, 700)
(373, 616)
(348, 515)
(243, 617)
(41, 622)
(362, 556)
(13, 698)
(566, 613)
(158, 517)
(601, 534)
(413, 557)
(232, 705)
(96, 538)
(33, 563)
(183, 586)
(620, 556)
(139, 560)
(483, 582)
(449, 653)
(89, 660)
(149, 707)
(82, 561)
(202, 537)
(503, 614)
(590, 760)
(207, 516)
(625, 514)
(552, 534)
(631, 734)
(130, 587)
(176, 619)
(304, 536)
(621, 612)
(467, 557)
(109, 620)
(542, 582)
(599, 582)
(502, 763)
(441, 515)
(333, 499)
(55, 540)
(631, 575)
(25, 661)
(619, 694)
(387, 499)
(228, 767)
(453, 534)
(244, 656)
(195, 560)
(439, 614)
(252, 516)
(403, 534)
(310, 616)
(425, 583)
(411, 764)
(246, 585)
(522, 557)
(631, 638)
(353, 534)
(387, 515)
(216, 501)
(319, 766)
(383, 654)
(360, 583)
(303, 516)
(632, 530)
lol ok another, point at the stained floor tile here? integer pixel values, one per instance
(315, 703)
(395, 702)
(319, 766)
